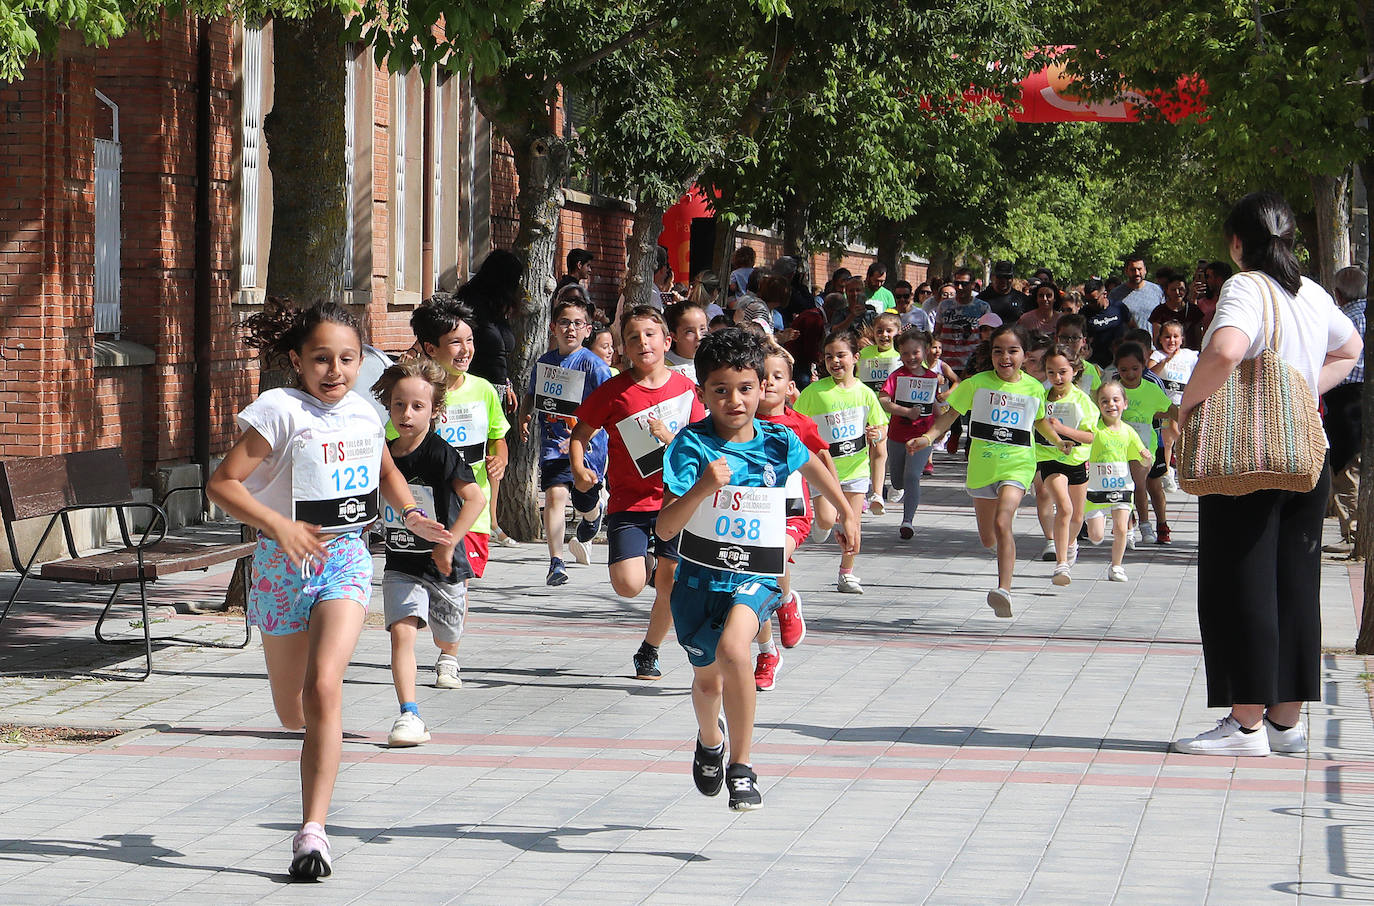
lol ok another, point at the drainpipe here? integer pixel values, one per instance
(202, 322)
(427, 193)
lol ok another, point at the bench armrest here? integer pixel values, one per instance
(159, 522)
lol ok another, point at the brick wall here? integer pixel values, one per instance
(602, 229)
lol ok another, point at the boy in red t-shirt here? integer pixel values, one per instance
(778, 387)
(642, 409)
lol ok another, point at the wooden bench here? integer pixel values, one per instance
(56, 487)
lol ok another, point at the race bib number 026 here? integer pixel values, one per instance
(645, 449)
(335, 480)
(464, 427)
(739, 530)
(1003, 418)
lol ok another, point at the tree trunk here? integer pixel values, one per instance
(542, 162)
(1331, 195)
(794, 222)
(725, 247)
(643, 250)
(889, 239)
(305, 144)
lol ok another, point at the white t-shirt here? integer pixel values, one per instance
(1310, 324)
(288, 418)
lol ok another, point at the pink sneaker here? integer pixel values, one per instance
(310, 853)
(766, 671)
(791, 626)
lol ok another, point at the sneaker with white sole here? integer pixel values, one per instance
(1073, 554)
(408, 730)
(905, 531)
(310, 854)
(1132, 537)
(446, 673)
(875, 504)
(1061, 574)
(896, 495)
(791, 623)
(579, 551)
(1116, 574)
(848, 584)
(1166, 481)
(999, 599)
(1290, 741)
(1147, 533)
(744, 788)
(766, 670)
(499, 536)
(1048, 554)
(1226, 738)
(708, 767)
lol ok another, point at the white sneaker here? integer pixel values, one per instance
(1167, 481)
(408, 730)
(1147, 533)
(999, 599)
(1225, 738)
(825, 536)
(579, 551)
(446, 673)
(1048, 553)
(1290, 741)
(1132, 537)
(848, 584)
(1116, 574)
(1073, 554)
(875, 504)
(896, 495)
(1061, 575)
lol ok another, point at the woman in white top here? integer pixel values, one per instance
(1259, 555)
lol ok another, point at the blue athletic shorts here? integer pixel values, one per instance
(630, 534)
(559, 471)
(699, 614)
(280, 599)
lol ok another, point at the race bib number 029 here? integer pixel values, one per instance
(645, 449)
(335, 480)
(558, 391)
(843, 430)
(1003, 418)
(739, 530)
(464, 427)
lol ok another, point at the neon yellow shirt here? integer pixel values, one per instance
(1001, 425)
(876, 364)
(841, 414)
(1113, 450)
(1143, 403)
(1076, 411)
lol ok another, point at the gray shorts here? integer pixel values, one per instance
(440, 606)
(992, 491)
(856, 485)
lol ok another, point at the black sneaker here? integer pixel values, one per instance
(708, 768)
(586, 531)
(744, 788)
(646, 662)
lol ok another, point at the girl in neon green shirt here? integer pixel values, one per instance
(1007, 406)
(1115, 453)
(1061, 482)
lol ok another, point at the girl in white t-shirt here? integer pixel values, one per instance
(1173, 364)
(307, 473)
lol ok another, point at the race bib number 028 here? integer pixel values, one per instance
(1003, 418)
(740, 530)
(843, 430)
(335, 480)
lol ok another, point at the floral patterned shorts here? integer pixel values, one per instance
(280, 599)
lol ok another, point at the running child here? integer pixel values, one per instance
(473, 420)
(424, 583)
(563, 378)
(1040, 345)
(1062, 477)
(1145, 402)
(687, 324)
(725, 503)
(876, 362)
(306, 474)
(1007, 406)
(641, 409)
(1174, 364)
(948, 381)
(909, 396)
(1115, 454)
(778, 387)
(1071, 331)
(850, 421)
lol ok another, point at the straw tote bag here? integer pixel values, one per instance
(1260, 430)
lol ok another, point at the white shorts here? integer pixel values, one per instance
(856, 485)
(1100, 513)
(992, 491)
(441, 606)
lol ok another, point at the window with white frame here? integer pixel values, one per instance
(250, 156)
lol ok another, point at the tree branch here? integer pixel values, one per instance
(592, 59)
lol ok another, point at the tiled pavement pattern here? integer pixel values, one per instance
(916, 750)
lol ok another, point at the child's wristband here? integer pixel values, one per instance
(412, 510)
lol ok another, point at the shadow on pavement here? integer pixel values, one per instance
(134, 849)
(968, 736)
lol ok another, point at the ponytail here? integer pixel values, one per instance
(281, 328)
(1264, 224)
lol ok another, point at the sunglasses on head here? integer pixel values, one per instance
(962, 282)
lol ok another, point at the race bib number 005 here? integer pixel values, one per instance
(645, 449)
(874, 371)
(1003, 418)
(738, 530)
(335, 480)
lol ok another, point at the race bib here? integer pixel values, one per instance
(1144, 431)
(796, 495)
(1109, 482)
(687, 370)
(464, 427)
(557, 390)
(645, 449)
(1067, 413)
(918, 392)
(843, 430)
(739, 530)
(1003, 418)
(874, 371)
(335, 480)
(398, 537)
(1174, 390)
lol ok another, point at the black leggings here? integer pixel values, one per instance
(1259, 595)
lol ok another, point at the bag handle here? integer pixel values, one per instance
(1271, 309)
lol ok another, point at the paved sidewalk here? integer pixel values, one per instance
(916, 750)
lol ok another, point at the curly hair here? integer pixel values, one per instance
(281, 328)
(422, 367)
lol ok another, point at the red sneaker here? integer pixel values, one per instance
(952, 445)
(1162, 534)
(791, 626)
(766, 671)
(929, 469)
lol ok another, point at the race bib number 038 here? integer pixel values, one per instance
(335, 480)
(739, 530)
(464, 427)
(645, 449)
(1003, 418)
(558, 391)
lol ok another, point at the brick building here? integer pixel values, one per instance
(112, 302)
